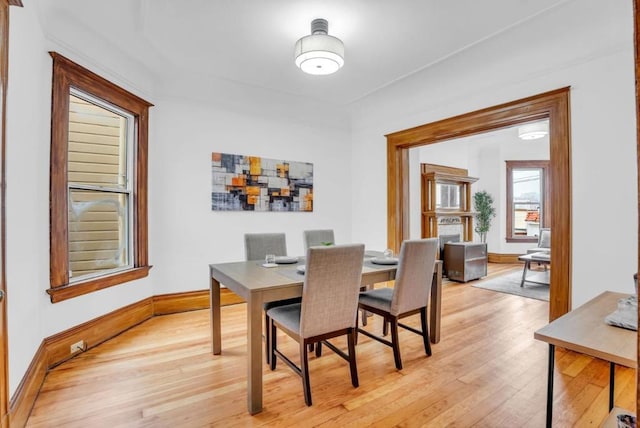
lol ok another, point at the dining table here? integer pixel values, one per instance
(257, 285)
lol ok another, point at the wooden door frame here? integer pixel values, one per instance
(636, 28)
(552, 105)
(4, 73)
(4, 349)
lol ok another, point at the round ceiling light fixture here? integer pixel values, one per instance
(533, 131)
(319, 53)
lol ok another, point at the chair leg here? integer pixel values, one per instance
(267, 332)
(351, 339)
(425, 331)
(364, 313)
(385, 327)
(394, 341)
(319, 349)
(273, 344)
(304, 369)
(355, 330)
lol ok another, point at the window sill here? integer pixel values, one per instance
(69, 291)
(533, 239)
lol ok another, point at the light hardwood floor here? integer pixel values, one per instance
(487, 371)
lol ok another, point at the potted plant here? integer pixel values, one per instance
(483, 205)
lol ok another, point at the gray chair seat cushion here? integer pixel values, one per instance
(538, 250)
(288, 316)
(379, 298)
(277, 303)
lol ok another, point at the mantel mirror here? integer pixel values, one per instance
(448, 196)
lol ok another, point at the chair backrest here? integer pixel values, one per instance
(258, 245)
(331, 288)
(415, 272)
(314, 238)
(544, 238)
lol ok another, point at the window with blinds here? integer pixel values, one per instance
(527, 199)
(99, 163)
(98, 230)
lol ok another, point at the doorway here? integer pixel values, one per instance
(554, 106)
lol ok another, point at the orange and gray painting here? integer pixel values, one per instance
(252, 183)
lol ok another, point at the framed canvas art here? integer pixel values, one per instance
(252, 183)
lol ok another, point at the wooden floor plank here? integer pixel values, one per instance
(487, 371)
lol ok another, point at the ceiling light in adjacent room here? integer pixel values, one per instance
(533, 131)
(319, 53)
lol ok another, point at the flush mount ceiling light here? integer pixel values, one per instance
(533, 131)
(319, 53)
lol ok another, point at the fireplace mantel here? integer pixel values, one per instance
(446, 193)
(453, 213)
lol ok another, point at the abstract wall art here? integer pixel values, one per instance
(252, 183)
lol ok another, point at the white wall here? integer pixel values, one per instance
(27, 157)
(415, 197)
(186, 235)
(585, 44)
(515, 149)
(31, 315)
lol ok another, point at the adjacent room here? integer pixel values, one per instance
(507, 172)
(318, 213)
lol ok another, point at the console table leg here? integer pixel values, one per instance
(612, 381)
(552, 352)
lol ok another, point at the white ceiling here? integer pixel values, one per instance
(251, 41)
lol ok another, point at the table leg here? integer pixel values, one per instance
(552, 351)
(435, 305)
(524, 272)
(612, 383)
(254, 354)
(214, 310)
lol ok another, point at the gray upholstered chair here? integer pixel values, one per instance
(544, 242)
(328, 308)
(256, 247)
(323, 237)
(314, 238)
(410, 294)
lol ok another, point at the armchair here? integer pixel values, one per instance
(544, 242)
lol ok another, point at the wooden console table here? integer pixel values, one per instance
(584, 330)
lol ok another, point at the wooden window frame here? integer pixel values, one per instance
(67, 74)
(516, 164)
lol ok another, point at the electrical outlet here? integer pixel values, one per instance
(79, 346)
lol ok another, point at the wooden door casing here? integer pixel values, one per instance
(4, 72)
(636, 25)
(552, 105)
